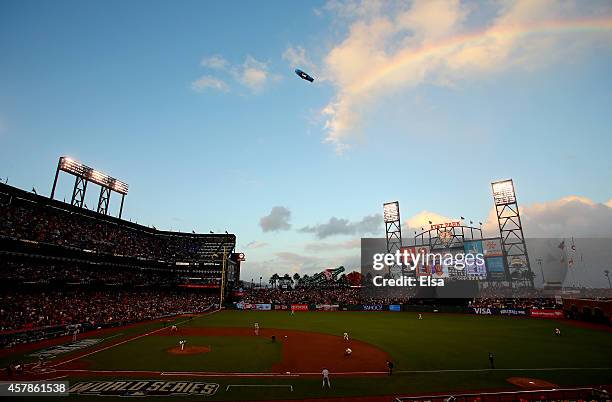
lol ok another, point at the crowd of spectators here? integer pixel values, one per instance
(528, 298)
(303, 296)
(329, 295)
(532, 303)
(45, 272)
(28, 220)
(21, 310)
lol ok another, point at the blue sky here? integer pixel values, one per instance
(196, 106)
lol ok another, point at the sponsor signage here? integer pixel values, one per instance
(238, 257)
(144, 388)
(492, 248)
(250, 306)
(520, 312)
(513, 311)
(546, 313)
(439, 269)
(395, 307)
(408, 252)
(299, 307)
(495, 267)
(373, 307)
(445, 225)
(328, 307)
(474, 267)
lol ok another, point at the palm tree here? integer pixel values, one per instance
(287, 280)
(274, 279)
(296, 279)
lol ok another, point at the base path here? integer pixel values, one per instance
(308, 351)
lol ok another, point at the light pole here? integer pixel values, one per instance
(260, 278)
(539, 262)
(216, 256)
(607, 275)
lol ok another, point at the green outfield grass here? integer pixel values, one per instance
(420, 348)
(445, 341)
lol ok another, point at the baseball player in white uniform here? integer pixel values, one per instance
(325, 374)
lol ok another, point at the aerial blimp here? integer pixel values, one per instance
(303, 75)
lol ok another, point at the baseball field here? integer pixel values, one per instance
(222, 353)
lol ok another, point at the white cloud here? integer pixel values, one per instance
(253, 74)
(256, 244)
(296, 56)
(215, 62)
(209, 82)
(393, 46)
(421, 220)
(571, 216)
(317, 247)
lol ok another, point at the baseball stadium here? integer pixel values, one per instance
(200, 200)
(117, 309)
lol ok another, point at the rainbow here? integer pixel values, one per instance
(501, 33)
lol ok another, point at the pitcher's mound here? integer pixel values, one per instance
(188, 350)
(532, 383)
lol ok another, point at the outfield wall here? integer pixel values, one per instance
(516, 312)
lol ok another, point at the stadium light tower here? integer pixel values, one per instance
(83, 175)
(510, 228)
(393, 228)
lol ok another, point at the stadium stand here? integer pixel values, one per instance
(60, 263)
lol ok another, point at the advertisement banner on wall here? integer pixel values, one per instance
(372, 307)
(514, 311)
(474, 267)
(327, 307)
(250, 306)
(492, 247)
(439, 269)
(299, 307)
(472, 247)
(546, 313)
(495, 267)
(520, 312)
(482, 310)
(395, 307)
